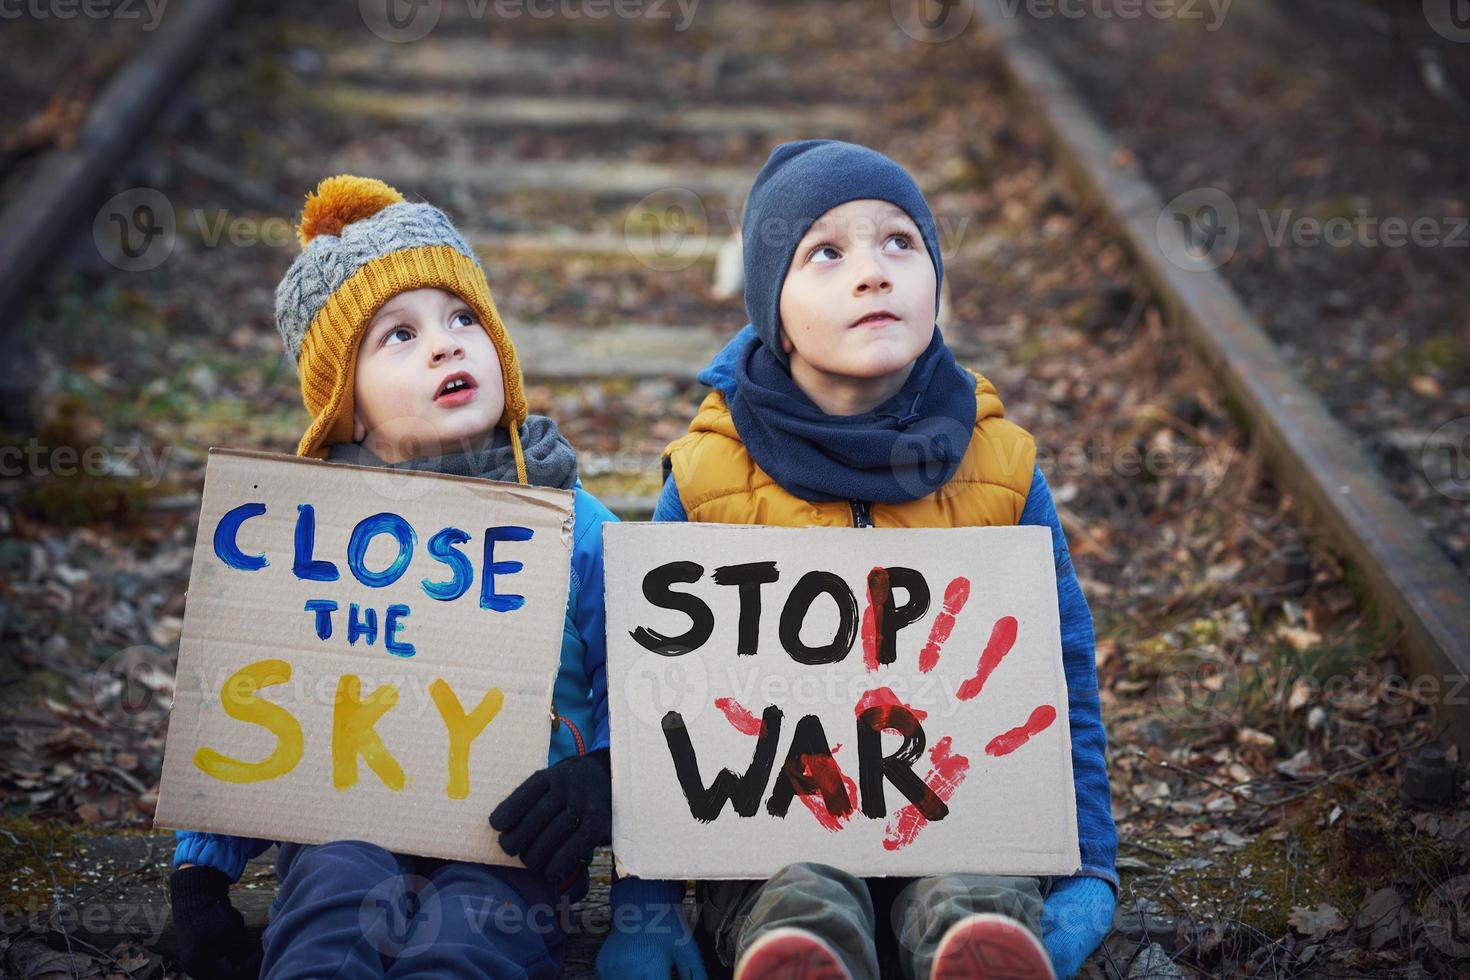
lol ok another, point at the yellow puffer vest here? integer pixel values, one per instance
(720, 483)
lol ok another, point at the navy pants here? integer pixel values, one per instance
(352, 909)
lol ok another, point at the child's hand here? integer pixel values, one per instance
(1076, 917)
(556, 817)
(213, 941)
(649, 939)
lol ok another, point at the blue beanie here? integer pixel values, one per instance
(799, 183)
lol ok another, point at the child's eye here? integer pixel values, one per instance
(824, 253)
(464, 318)
(392, 337)
(902, 241)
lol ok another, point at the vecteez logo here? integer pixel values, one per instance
(1450, 19)
(932, 20)
(135, 231)
(401, 21)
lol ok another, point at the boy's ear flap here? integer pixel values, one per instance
(359, 431)
(786, 344)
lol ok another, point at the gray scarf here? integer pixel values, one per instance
(550, 459)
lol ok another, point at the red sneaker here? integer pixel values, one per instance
(990, 946)
(790, 954)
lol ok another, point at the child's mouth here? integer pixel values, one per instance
(875, 319)
(457, 389)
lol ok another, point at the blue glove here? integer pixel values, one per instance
(1077, 915)
(649, 939)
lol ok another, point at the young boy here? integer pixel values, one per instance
(840, 405)
(404, 363)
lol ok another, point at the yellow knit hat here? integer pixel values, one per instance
(362, 244)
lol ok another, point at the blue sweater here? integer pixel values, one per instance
(580, 692)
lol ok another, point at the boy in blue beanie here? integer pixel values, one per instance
(405, 364)
(839, 404)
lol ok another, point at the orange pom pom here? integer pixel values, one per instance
(339, 201)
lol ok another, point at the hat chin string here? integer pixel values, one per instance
(515, 448)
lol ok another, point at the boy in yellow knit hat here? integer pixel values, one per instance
(405, 364)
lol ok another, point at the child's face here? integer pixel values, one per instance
(857, 307)
(417, 342)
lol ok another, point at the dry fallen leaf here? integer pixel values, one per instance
(1426, 385)
(1254, 736)
(1318, 922)
(1301, 693)
(1299, 766)
(1381, 914)
(1299, 638)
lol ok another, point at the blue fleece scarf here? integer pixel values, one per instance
(903, 450)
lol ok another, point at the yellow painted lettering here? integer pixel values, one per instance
(463, 729)
(353, 734)
(239, 701)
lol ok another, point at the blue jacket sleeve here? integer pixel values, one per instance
(589, 613)
(222, 852)
(669, 507)
(1097, 834)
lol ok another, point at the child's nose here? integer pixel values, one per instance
(872, 278)
(444, 345)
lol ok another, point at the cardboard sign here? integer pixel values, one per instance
(366, 654)
(888, 701)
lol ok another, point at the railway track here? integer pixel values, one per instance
(1402, 570)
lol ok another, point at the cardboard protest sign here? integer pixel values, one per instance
(366, 654)
(888, 701)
